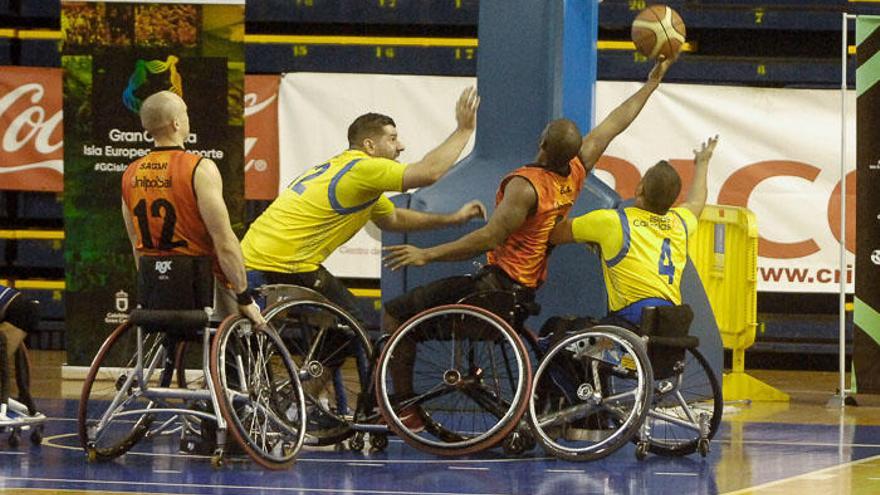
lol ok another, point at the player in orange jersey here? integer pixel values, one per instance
(172, 204)
(530, 201)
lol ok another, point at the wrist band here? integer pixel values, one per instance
(244, 298)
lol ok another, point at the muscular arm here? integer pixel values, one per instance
(406, 220)
(209, 190)
(519, 200)
(598, 139)
(129, 229)
(562, 233)
(438, 161)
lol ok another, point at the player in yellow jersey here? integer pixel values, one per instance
(326, 205)
(644, 247)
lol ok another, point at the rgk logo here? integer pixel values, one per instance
(163, 267)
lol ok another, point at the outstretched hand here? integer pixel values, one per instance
(663, 64)
(466, 109)
(704, 154)
(471, 209)
(404, 255)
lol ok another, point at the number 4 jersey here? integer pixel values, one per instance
(643, 254)
(159, 193)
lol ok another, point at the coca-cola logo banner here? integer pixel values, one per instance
(31, 130)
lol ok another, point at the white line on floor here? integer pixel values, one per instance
(660, 473)
(166, 471)
(468, 468)
(366, 464)
(569, 471)
(249, 488)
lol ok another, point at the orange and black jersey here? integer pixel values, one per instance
(159, 193)
(523, 256)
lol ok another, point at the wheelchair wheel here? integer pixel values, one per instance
(259, 392)
(334, 354)
(681, 404)
(591, 393)
(113, 414)
(466, 376)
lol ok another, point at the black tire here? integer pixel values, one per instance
(111, 376)
(334, 352)
(585, 404)
(263, 405)
(702, 392)
(470, 380)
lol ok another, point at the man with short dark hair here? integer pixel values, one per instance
(644, 247)
(325, 206)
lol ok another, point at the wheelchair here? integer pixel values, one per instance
(19, 414)
(687, 404)
(248, 386)
(470, 403)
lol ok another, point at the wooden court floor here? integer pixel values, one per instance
(801, 447)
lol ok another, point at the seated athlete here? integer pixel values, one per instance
(644, 247)
(529, 202)
(325, 206)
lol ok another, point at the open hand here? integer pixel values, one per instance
(466, 109)
(663, 64)
(703, 154)
(403, 255)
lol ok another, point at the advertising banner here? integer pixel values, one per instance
(31, 129)
(261, 136)
(866, 335)
(114, 55)
(778, 156)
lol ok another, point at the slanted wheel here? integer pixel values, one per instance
(453, 380)
(113, 414)
(681, 404)
(259, 392)
(591, 393)
(334, 352)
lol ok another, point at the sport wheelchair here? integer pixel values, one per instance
(687, 404)
(17, 415)
(471, 374)
(251, 385)
(680, 389)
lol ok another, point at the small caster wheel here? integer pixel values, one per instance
(641, 450)
(703, 447)
(217, 459)
(37, 436)
(514, 443)
(15, 438)
(91, 452)
(378, 441)
(356, 444)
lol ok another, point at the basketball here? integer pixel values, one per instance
(658, 30)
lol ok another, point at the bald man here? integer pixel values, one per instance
(530, 201)
(172, 204)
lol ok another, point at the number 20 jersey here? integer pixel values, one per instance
(159, 193)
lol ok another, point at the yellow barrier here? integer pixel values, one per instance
(725, 253)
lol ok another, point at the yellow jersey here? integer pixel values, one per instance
(643, 254)
(321, 210)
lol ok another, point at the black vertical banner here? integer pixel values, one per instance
(114, 55)
(866, 335)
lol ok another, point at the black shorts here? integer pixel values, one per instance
(451, 290)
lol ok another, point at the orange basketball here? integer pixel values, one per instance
(658, 30)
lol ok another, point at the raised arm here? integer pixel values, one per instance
(438, 161)
(696, 197)
(519, 200)
(406, 220)
(598, 139)
(208, 185)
